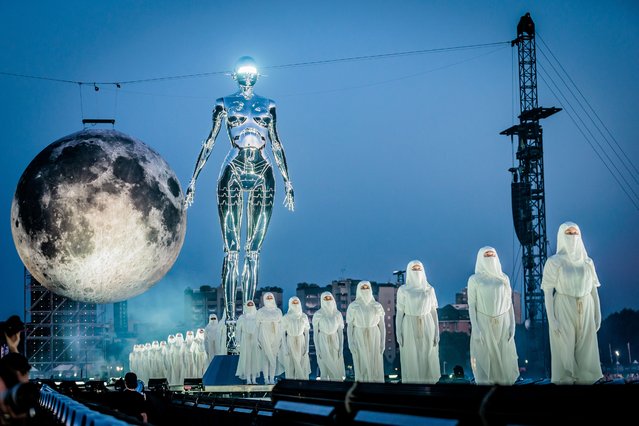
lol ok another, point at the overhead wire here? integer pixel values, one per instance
(570, 115)
(576, 116)
(590, 107)
(596, 126)
(290, 65)
(377, 83)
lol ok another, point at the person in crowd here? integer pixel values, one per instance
(493, 354)
(10, 335)
(296, 340)
(417, 327)
(130, 401)
(366, 334)
(570, 285)
(18, 365)
(14, 372)
(328, 336)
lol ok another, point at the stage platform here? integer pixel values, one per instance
(238, 388)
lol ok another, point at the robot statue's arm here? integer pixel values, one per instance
(207, 147)
(280, 158)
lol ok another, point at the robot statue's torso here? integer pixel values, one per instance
(247, 120)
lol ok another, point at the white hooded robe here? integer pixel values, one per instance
(417, 324)
(570, 287)
(215, 338)
(493, 356)
(296, 327)
(366, 335)
(328, 335)
(269, 336)
(249, 364)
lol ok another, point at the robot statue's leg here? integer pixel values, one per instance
(229, 201)
(260, 208)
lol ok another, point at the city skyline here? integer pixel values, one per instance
(392, 159)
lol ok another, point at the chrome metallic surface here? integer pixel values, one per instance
(246, 184)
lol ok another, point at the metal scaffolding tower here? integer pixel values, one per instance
(527, 188)
(64, 338)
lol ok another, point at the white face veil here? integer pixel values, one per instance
(249, 309)
(179, 339)
(571, 246)
(212, 319)
(294, 308)
(416, 279)
(328, 305)
(269, 303)
(488, 265)
(171, 339)
(189, 336)
(200, 334)
(365, 296)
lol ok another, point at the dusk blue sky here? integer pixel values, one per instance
(391, 160)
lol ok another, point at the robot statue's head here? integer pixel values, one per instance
(245, 72)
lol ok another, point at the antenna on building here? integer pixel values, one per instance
(400, 277)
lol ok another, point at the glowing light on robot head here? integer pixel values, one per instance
(245, 72)
(247, 69)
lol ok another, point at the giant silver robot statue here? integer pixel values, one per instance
(246, 173)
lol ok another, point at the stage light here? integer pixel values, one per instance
(247, 69)
(193, 384)
(158, 384)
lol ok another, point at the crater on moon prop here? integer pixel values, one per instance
(98, 217)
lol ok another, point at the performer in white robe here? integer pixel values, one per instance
(145, 363)
(296, 329)
(155, 371)
(177, 361)
(186, 354)
(200, 357)
(493, 356)
(215, 338)
(164, 360)
(574, 314)
(328, 336)
(249, 365)
(133, 359)
(170, 349)
(417, 327)
(366, 334)
(269, 336)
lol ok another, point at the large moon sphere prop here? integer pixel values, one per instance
(98, 217)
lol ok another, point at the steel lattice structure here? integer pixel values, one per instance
(528, 193)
